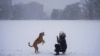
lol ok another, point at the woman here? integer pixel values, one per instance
(62, 45)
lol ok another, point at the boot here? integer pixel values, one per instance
(57, 53)
(63, 53)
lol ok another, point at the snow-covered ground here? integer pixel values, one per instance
(83, 37)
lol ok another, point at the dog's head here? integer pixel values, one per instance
(42, 34)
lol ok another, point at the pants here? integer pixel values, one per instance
(59, 48)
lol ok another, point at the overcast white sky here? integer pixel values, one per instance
(49, 4)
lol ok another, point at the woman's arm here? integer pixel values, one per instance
(58, 40)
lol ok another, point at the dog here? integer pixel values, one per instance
(37, 41)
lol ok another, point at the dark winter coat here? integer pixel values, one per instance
(62, 42)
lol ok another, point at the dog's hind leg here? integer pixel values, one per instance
(36, 49)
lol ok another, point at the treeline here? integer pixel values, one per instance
(5, 9)
(28, 11)
(86, 9)
(32, 10)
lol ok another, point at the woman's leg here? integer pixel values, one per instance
(57, 49)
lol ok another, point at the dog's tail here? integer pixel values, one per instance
(30, 45)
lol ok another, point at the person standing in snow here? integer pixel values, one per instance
(62, 45)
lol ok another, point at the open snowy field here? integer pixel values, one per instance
(83, 37)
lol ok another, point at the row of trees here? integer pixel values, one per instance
(86, 9)
(5, 9)
(91, 8)
(32, 10)
(70, 12)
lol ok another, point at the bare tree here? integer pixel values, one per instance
(91, 8)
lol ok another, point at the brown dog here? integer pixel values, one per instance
(37, 41)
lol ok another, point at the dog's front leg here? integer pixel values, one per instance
(43, 42)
